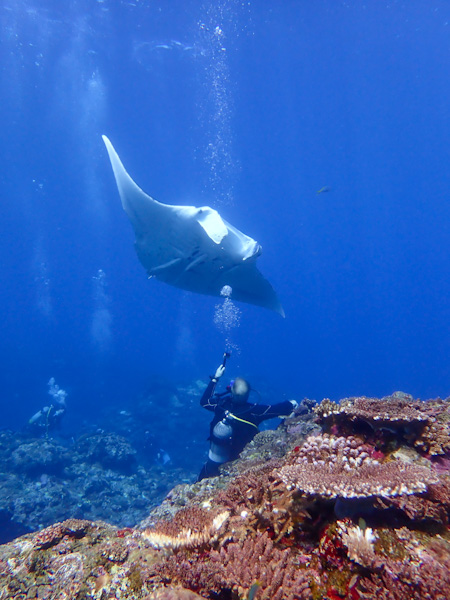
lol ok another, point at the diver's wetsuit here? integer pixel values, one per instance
(233, 426)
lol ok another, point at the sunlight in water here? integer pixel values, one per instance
(216, 105)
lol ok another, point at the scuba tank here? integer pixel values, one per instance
(222, 433)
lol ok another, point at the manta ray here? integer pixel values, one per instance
(192, 248)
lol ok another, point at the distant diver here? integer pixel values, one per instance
(49, 417)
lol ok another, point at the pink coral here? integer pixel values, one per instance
(428, 580)
(237, 566)
(333, 467)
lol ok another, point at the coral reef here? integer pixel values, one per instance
(395, 410)
(173, 594)
(359, 543)
(191, 527)
(422, 424)
(358, 511)
(44, 456)
(108, 449)
(434, 438)
(237, 566)
(42, 481)
(333, 467)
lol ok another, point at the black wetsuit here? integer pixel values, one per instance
(241, 419)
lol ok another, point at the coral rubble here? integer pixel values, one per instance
(354, 506)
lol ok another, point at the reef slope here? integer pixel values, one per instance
(348, 501)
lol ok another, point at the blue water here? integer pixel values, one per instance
(251, 108)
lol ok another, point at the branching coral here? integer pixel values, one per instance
(359, 543)
(428, 579)
(434, 439)
(333, 467)
(257, 504)
(248, 490)
(191, 527)
(258, 560)
(238, 566)
(279, 524)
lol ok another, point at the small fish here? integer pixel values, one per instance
(325, 188)
(252, 591)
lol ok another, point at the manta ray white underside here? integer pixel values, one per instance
(192, 248)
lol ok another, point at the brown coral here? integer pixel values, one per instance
(423, 509)
(266, 535)
(333, 467)
(250, 489)
(55, 533)
(257, 504)
(435, 436)
(190, 527)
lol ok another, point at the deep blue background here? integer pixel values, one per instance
(250, 107)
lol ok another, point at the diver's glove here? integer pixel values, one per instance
(219, 372)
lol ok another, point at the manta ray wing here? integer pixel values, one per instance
(192, 248)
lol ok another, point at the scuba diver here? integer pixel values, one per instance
(47, 419)
(50, 416)
(235, 421)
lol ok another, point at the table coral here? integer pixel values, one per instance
(191, 527)
(431, 510)
(423, 424)
(398, 409)
(341, 467)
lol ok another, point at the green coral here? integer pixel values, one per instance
(135, 578)
(388, 544)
